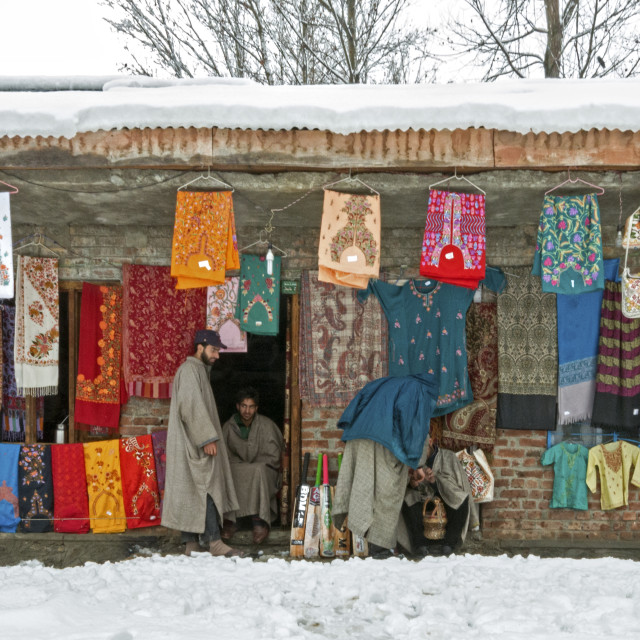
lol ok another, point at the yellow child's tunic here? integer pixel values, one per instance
(614, 461)
(104, 486)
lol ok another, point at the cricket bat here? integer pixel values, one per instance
(343, 535)
(327, 536)
(296, 547)
(312, 528)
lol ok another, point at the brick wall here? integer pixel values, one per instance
(523, 487)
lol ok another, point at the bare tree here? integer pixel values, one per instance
(554, 38)
(274, 41)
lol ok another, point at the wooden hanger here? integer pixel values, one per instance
(571, 180)
(457, 177)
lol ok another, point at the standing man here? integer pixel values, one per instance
(255, 446)
(199, 489)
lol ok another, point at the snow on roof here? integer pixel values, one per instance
(517, 105)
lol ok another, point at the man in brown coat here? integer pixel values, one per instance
(199, 488)
(255, 446)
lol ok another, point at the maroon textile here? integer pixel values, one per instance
(70, 502)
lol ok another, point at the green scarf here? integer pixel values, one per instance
(244, 430)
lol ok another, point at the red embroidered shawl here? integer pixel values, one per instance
(70, 504)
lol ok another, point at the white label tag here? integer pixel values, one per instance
(573, 283)
(449, 255)
(352, 258)
(566, 413)
(204, 264)
(635, 412)
(108, 513)
(258, 323)
(427, 283)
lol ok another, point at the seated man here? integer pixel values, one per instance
(444, 476)
(255, 446)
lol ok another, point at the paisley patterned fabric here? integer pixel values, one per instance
(35, 487)
(139, 482)
(159, 324)
(14, 408)
(98, 393)
(70, 504)
(342, 343)
(476, 422)
(618, 374)
(349, 247)
(527, 354)
(454, 244)
(204, 238)
(104, 486)
(37, 337)
(222, 302)
(569, 247)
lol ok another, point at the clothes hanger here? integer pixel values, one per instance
(571, 180)
(13, 189)
(264, 240)
(227, 187)
(37, 241)
(457, 177)
(351, 178)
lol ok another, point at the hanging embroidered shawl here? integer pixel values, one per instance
(139, 482)
(569, 247)
(349, 248)
(9, 506)
(37, 335)
(14, 406)
(104, 486)
(259, 308)
(476, 423)
(614, 461)
(578, 333)
(222, 301)
(527, 354)
(343, 343)
(159, 440)
(617, 399)
(98, 392)
(204, 238)
(36, 488)
(6, 248)
(158, 328)
(70, 505)
(453, 249)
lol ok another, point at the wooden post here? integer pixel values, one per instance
(296, 430)
(31, 430)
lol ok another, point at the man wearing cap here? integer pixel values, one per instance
(255, 447)
(199, 490)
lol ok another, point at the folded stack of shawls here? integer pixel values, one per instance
(204, 238)
(349, 247)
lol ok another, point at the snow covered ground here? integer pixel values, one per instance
(177, 598)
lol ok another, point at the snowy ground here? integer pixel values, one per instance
(177, 598)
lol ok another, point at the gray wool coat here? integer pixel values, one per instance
(191, 474)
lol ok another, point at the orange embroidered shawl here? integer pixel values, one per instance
(204, 238)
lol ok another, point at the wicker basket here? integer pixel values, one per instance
(434, 519)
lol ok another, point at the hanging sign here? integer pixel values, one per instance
(289, 287)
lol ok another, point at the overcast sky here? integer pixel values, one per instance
(57, 37)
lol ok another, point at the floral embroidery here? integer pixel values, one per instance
(36, 312)
(427, 298)
(355, 232)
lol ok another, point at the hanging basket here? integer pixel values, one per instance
(434, 519)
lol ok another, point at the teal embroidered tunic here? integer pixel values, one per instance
(569, 462)
(259, 296)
